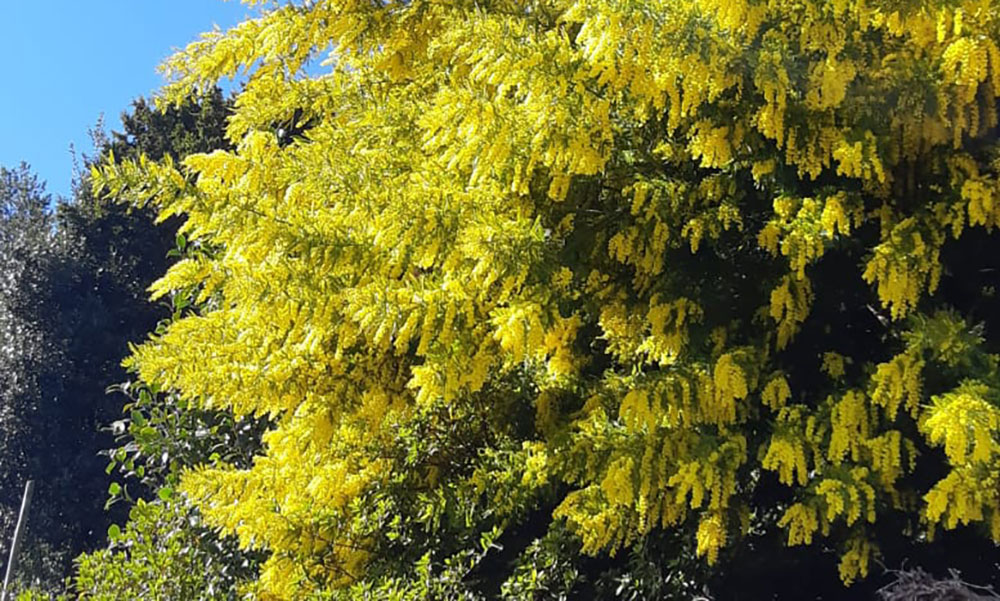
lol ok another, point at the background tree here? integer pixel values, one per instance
(163, 550)
(74, 296)
(539, 286)
(31, 358)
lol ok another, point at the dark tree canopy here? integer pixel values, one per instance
(73, 281)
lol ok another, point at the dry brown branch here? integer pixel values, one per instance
(917, 585)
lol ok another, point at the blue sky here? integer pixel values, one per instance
(65, 62)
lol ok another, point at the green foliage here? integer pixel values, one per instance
(161, 435)
(164, 553)
(36, 595)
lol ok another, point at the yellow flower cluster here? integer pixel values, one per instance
(711, 536)
(801, 522)
(714, 145)
(833, 365)
(983, 205)
(850, 427)
(854, 561)
(776, 392)
(828, 83)
(860, 159)
(965, 424)
(964, 497)
(904, 265)
(668, 329)
(788, 458)
(637, 413)
(731, 383)
(898, 383)
(887, 459)
(847, 498)
(618, 485)
(790, 304)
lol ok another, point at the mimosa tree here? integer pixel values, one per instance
(560, 277)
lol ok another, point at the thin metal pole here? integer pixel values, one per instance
(22, 519)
